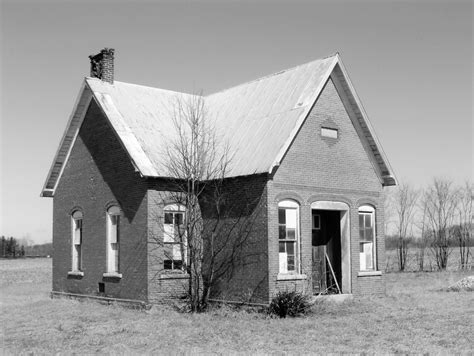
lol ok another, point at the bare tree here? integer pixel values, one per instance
(465, 215)
(194, 157)
(387, 197)
(424, 233)
(404, 200)
(440, 200)
(215, 236)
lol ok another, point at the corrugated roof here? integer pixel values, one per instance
(258, 119)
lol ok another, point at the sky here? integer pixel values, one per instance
(411, 63)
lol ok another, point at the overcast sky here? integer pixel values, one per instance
(410, 62)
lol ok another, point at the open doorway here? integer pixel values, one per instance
(330, 248)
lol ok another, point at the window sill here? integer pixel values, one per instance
(290, 276)
(174, 275)
(112, 275)
(369, 273)
(76, 273)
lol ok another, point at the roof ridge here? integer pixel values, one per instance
(144, 86)
(273, 74)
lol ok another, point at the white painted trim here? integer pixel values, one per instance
(355, 122)
(174, 208)
(345, 222)
(81, 119)
(71, 118)
(365, 116)
(369, 273)
(366, 209)
(288, 203)
(112, 275)
(76, 273)
(125, 135)
(329, 205)
(291, 276)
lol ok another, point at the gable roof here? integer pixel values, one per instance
(259, 119)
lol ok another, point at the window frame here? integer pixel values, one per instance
(367, 211)
(113, 214)
(292, 206)
(173, 265)
(314, 227)
(329, 132)
(76, 241)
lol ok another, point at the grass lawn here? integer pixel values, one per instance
(416, 316)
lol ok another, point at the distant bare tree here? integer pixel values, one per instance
(465, 216)
(404, 200)
(388, 208)
(424, 233)
(440, 201)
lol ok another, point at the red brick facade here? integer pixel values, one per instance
(99, 174)
(317, 168)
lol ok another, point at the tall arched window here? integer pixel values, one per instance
(288, 236)
(174, 237)
(76, 232)
(367, 238)
(113, 239)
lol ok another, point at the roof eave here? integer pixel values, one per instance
(77, 115)
(387, 179)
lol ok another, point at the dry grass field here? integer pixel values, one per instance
(429, 264)
(416, 316)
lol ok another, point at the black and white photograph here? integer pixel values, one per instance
(199, 177)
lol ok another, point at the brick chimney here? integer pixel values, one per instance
(102, 65)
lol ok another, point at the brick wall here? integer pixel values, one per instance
(98, 174)
(239, 235)
(162, 284)
(323, 169)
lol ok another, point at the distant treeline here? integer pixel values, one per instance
(392, 242)
(42, 250)
(11, 248)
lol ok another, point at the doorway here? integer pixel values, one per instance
(330, 248)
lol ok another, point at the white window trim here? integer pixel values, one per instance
(76, 261)
(173, 209)
(111, 263)
(296, 274)
(368, 209)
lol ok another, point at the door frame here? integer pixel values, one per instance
(344, 212)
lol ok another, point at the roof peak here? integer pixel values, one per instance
(335, 54)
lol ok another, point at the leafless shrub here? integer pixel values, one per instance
(440, 202)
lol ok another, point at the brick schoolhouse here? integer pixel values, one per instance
(304, 153)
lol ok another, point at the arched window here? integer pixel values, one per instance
(288, 236)
(76, 232)
(174, 237)
(113, 239)
(367, 238)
